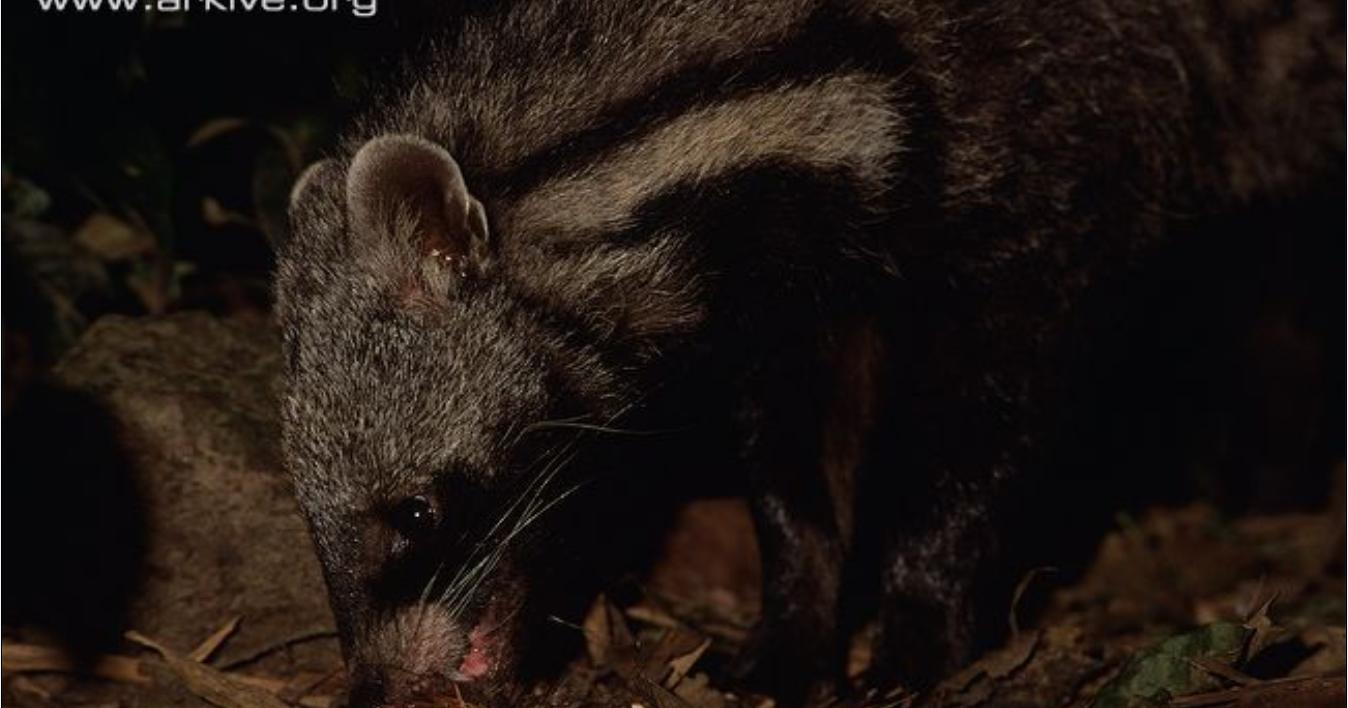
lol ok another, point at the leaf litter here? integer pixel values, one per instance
(1240, 597)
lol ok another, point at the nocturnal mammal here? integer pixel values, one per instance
(841, 243)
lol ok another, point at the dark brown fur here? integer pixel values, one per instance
(789, 231)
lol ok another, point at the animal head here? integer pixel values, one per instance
(438, 385)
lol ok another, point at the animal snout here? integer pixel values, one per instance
(385, 687)
(408, 660)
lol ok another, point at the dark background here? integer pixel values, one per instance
(147, 159)
(145, 116)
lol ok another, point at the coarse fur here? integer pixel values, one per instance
(845, 244)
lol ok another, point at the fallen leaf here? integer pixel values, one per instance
(679, 666)
(216, 214)
(204, 650)
(211, 685)
(32, 658)
(1224, 671)
(1305, 692)
(697, 690)
(606, 633)
(977, 682)
(1262, 630)
(24, 199)
(213, 129)
(1328, 645)
(112, 239)
(1166, 669)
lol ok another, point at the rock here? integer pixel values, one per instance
(193, 402)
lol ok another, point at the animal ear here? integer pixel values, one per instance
(397, 175)
(318, 184)
(304, 185)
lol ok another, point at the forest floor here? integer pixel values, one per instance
(1180, 607)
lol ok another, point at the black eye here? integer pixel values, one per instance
(413, 517)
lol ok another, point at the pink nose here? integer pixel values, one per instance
(476, 663)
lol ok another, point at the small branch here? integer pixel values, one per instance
(286, 643)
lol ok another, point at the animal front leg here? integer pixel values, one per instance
(934, 500)
(931, 615)
(794, 650)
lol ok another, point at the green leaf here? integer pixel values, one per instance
(23, 198)
(1155, 675)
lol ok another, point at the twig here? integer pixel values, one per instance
(204, 650)
(32, 658)
(274, 647)
(1019, 593)
(1291, 691)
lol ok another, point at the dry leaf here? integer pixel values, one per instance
(1307, 692)
(697, 690)
(213, 129)
(679, 666)
(204, 650)
(1328, 657)
(23, 658)
(976, 683)
(216, 214)
(606, 633)
(112, 239)
(1264, 632)
(1223, 671)
(211, 685)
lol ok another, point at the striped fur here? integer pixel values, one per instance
(842, 125)
(698, 213)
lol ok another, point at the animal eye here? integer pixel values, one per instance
(413, 517)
